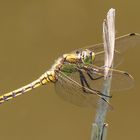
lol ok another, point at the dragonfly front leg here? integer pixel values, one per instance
(91, 77)
(91, 72)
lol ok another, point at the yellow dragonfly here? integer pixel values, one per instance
(78, 76)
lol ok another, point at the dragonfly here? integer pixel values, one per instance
(78, 76)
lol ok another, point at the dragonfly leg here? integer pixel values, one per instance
(92, 78)
(89, 71)
(83, 80)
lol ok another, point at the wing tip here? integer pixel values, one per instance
(134, 34)
(129, 75)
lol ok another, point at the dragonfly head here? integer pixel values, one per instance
(87, 56)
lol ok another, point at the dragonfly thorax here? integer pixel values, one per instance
(87, 56)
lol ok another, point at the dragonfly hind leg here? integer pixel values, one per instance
(84, 82)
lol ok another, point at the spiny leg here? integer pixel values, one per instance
(92, 78)
(83, 80)
(88, 71)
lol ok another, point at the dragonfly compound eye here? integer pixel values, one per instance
(87, 57)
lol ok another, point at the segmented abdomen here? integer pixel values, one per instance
(44, 79)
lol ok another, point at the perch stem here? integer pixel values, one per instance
(99, 128)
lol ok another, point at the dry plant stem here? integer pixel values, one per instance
(99, 128)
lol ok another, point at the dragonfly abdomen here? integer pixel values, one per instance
(47, 77)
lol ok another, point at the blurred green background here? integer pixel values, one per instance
(32, 35)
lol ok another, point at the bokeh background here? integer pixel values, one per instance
(32, 35)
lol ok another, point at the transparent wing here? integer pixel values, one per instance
(99, 59)
(71, 90)
(122, 43)
(121, 80)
